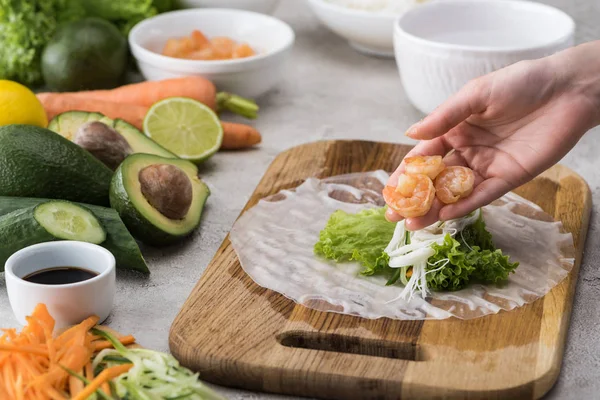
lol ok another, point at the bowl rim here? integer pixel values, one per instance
(143, 54)
(72, 245)
(570, 32)
(354, 11)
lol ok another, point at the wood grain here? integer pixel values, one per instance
(238, 334)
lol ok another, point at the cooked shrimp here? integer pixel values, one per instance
(428, 165)
(412, 197)
(454, 183)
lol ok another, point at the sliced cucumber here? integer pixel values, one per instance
(53, 220)
(68, 221)
(118, 239)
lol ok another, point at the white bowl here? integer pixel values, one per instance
(249, 77)
(69, 304)
(443, 45)
(369, 32)
(260, 6)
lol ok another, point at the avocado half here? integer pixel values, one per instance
(144, 221)
(67, 124)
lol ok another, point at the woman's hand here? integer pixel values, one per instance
(510, 125)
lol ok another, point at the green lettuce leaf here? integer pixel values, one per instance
(469, 257)
(358, 237)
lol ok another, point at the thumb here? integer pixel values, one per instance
(471, 99)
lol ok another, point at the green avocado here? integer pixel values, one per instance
(86, 54)
(36, 162)
(67, 124)
(143, 182)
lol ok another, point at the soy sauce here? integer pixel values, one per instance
(60, 275)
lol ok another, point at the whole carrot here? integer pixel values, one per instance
(239, 136)
(58, 103)
(149, 92)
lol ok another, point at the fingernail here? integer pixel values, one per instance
(413, 129)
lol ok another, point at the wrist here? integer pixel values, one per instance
(577, 70)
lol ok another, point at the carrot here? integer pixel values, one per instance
(57, 103)
(104, 376)
(40, 351)
(239, 136)
(105, 344)
(75, 385)
(149, 92)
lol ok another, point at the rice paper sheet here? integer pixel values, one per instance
(274, 241)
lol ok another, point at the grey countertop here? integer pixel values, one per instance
(332, 92)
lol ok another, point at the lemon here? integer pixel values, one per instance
(185, 127)
(18, 105)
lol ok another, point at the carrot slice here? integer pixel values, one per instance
(104, 376)
(105, 344)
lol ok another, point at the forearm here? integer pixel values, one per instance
(578, 68)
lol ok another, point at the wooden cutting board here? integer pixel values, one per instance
(238, 334)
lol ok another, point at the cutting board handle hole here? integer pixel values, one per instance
(349, 344)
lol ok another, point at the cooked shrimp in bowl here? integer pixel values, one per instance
(427, 165)
(454, 183)
(412, 197)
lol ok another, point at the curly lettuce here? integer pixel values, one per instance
(468, 257)
(358, 237)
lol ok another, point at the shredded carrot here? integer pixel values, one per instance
(105, 344)
(35, 365)
(104, 376)
(106, 388)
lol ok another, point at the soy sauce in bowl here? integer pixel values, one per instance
(60, 275)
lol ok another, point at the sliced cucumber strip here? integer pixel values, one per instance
(69, 221)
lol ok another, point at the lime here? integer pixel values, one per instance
(18, 105)
(185, 127)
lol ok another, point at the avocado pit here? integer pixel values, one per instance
(105, 143)
(168, 189)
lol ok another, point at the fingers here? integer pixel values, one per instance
(414, 224)
(471, 99)
(483, 194)
(393, 216)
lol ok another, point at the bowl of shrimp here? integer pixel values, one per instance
(242, 52)
(442, 45)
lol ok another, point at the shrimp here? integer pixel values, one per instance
(454, 183)
(412, 197)
(428, 165)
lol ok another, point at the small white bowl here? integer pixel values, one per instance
(260, 6)
(369, 32)
(68, 304)
(250, 77)
(442, 45)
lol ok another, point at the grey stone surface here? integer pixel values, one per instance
(332, 92)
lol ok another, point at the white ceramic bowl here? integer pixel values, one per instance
(443, 45)
(251, 77)
(368, 32)
(68, 304)
(260, 6)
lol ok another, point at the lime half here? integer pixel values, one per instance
(185, 127)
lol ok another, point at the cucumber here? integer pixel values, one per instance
(118, 239)
(45, 222)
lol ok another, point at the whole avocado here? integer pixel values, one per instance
(36, 162)
(84, 55)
